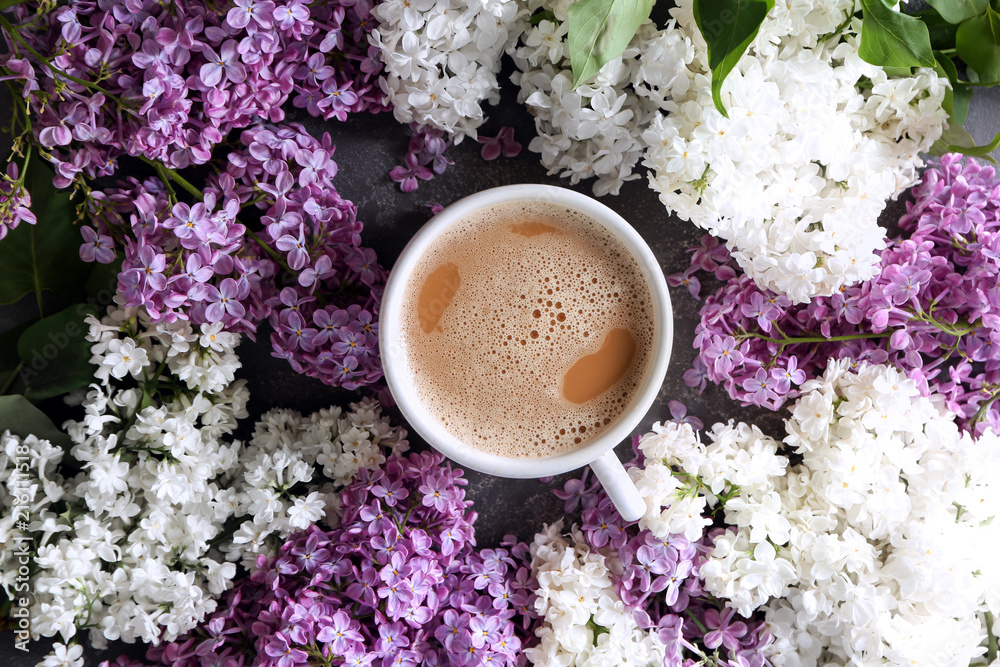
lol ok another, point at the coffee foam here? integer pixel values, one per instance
(501, 306)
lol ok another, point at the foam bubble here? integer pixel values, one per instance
(527, 308)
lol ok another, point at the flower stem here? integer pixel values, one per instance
(269, 250)
(13, 31)
(254, 202)
(814, 339)
(697, 622)
(991, 639)
(167, 174)
(980, 415)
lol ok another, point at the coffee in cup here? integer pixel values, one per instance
(528, 328)
(455, 295)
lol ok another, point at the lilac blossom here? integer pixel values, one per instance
(659, 581)
(317, 599)
(930, 312)
(425, 157)
(193, 73)
(502, 144)
(199, 261)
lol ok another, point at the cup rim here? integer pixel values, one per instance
(396, 368)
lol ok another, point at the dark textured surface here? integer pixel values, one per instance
(367, 148)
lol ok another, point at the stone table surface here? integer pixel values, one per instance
(368, 147)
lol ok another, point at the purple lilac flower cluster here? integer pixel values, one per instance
(398, 584)
(932, 311)
(168, 81)
(305, 269)
(15, 201)
(658, 580)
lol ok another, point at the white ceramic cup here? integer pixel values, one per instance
(598, 453)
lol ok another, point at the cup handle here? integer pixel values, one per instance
(619, 486)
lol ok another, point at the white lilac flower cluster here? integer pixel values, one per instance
(288, 452)
(879, 547)
(594, 130)
(816, 142)
(30, 483)
(159, 499)
(585, 622)
(684, 481)
(441, 59)
(794, 179)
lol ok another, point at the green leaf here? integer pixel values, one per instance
(956, 11)
(56, 354)
(978, 44)
(956, 100)
(892, 39)
(538, 17)
(953, 137)
(600, 30)
(729, 27)
(977, 151)
(45, 256)
(942, 33)
(22, 419)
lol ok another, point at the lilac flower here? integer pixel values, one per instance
(312, 554)
(296, 247)
(57, 131)
(316, 70)
(679, 413)
(761, 388)
(504, 143)
(905, 284)
(452, 625)
(724, 353)
(96, 247)
(576, 493)
(284, 653)
(153, 265)
(429, 146)
(378, 521)
(485, 630)
(365, 263)
(226, 63)
(723, 631)
(363, 589)
(944, 269)
(788, 376)
(250, 10)
(407, 176)
(339, 98)
(687, 279)
(437, 494)
(293, 16)
(761, 309)
(696, 376)
(341, 633)
(602, 526)
(390, 494)
(313, 164)
(223, 301)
